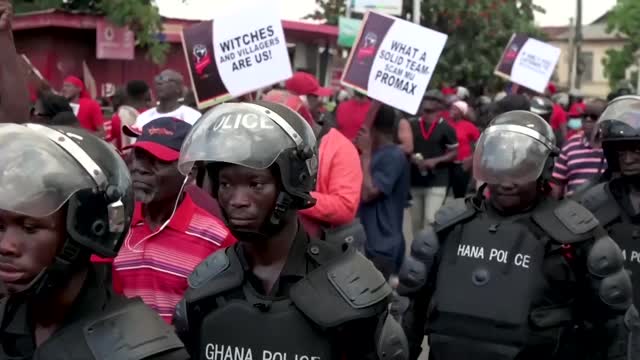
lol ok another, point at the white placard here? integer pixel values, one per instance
(250, 49)
(535, 64)
(393, 61)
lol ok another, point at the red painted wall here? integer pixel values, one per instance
(59, 52)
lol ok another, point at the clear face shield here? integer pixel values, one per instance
(242, 134)
(510, 154)
(37, 178)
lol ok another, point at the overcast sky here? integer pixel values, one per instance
(558, 11)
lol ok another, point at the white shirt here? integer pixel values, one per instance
(183, 113)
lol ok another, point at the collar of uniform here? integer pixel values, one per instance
(92, 297)
(296, 265)
(179, 221)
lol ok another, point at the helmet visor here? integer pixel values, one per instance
(508, 157)
(37, 176)
(238, 133)
(621, 120)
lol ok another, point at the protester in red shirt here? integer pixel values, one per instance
(467, 134)
(136, 97)
(89, 112)
(339, 181)
(351, 114)
(170, 234)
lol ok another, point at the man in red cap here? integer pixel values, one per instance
(351, 114)
(308, 87)
(170, 233)
(87, 110)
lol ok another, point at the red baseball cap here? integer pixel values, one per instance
(302, 83)
(162, 137)
(290, 100)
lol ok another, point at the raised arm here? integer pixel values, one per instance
(14, 96)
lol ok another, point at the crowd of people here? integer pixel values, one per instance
(303, 222)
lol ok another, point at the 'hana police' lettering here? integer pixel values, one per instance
(497, 255)
(268, 355)
(222, 352)
(635, 256)
(243, 120)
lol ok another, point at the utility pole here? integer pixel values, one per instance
(572, 54)
(578, 44)
(416, 11)
(638, 66)
(349, 6)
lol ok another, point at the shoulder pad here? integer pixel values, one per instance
(567, 222)
(347, 288)
(218, 273)
(452, 214)
(211, 267)
(132, 332)
(599, 201)
(358, 281)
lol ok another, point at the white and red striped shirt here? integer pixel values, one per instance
(154, 265)
(577, 164)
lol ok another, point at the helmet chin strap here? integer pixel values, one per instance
(273, 226)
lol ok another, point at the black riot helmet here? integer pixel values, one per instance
(619, 124)
(46, 169)
(542, 106)
(257, 135)
(518, 146)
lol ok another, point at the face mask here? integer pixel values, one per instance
(575, 124)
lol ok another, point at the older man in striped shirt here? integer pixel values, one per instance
(170, 233)
(581, 160)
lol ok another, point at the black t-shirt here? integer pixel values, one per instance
(442, 139)
(17, 338)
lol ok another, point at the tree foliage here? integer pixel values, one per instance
(141, 16)
(329, 11)
(623, 19)
(478, 32)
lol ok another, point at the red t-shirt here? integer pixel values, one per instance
(467, 134)
(558, 117)
(578, 108)
(113, 131)
(90, 115)
(350, 116)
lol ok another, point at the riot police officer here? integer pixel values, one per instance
(65, 195)
(518, 275)
(616, 202)
(277, 294)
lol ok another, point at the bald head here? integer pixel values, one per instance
(169, 85)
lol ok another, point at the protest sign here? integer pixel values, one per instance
(528, 62)
(236, 54)
(393, 61)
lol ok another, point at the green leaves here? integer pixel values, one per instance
(478, 32)
(623, 19)
(141, 16)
